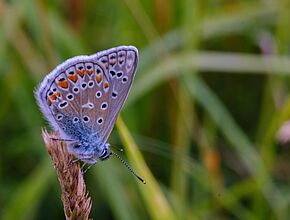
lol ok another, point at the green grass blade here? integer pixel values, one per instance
(29, 194)
(153, 197)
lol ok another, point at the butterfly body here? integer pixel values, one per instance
(90, 149)
(82, 97)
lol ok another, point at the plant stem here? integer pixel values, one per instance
(76, 201)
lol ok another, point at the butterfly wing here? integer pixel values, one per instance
(80, 97)
(59, 100)
(120, 66)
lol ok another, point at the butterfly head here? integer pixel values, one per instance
(90, 152)
(102, 153)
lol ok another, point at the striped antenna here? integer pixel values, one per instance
(128, 167)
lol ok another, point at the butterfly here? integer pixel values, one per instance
(82, 98)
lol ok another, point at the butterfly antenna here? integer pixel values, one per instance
(128, 167)
(117, 148)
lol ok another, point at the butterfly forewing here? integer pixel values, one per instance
(84, 95)
(120, 67)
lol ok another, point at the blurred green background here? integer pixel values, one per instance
(209, 98)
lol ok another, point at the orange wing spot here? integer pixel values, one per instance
(106, 85)
(57, 93)
(99, 78)
(89, 72)
(63, 84)
(81, 72)
(53, 97)
(49, 102)
(73, 78)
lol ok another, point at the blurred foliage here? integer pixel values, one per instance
(201, 121)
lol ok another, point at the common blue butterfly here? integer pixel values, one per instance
(82, 97)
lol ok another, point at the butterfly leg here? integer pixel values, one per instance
(71, 163)
(90, 164)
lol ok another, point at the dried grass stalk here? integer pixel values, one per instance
(76, 201)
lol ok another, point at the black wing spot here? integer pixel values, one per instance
(100, 120)
(114, 95)
(59, 117)
(77, 145)
(104, 105)
(76, 120)
(125, 79)
(112, 73)
(70, 96)
(86, 118)
(63, 104)
(119, 74)
(91, 84)
(98, 94)
(76, 90)
(84, 85)
(104, 60)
